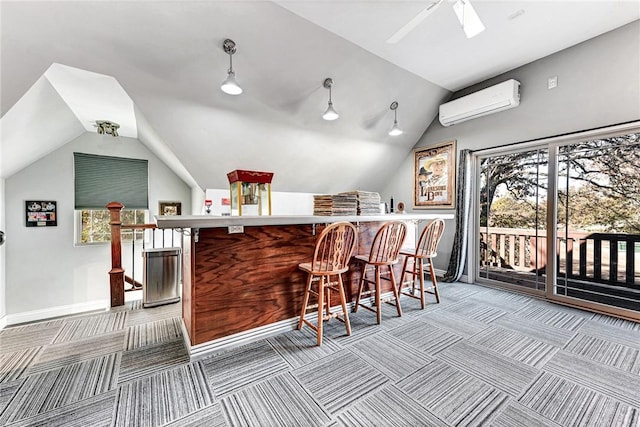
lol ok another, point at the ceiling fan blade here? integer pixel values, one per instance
(409, 26)
(468, 18)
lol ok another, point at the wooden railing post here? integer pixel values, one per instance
(116, 274)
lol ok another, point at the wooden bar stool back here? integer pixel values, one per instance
(426, 250)
(384, 253)
(334, 248)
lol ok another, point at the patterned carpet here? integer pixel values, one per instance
(480, 357)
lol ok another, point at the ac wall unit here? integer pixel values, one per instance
(496, 98)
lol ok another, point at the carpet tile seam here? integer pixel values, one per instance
(622, 350)
(244, 386)
(394, 389)
(63, 408)
(2, 413)
(535, 345)
(384, 379)
(586, 359)
(539, 325)
(482, 377)
(584, 389)
(598, 391)
(586, 329)
(462, 381)
(415, 350)
(34, 368)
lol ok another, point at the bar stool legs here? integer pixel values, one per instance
(417, 270)
(325, 286)
(333, 250)
(377, 291)
(425, 250)
(384, 253)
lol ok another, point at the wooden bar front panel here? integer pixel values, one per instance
(247, 280)
(187, 283)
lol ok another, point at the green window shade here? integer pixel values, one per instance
(103, 179)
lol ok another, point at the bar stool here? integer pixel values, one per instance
(425, 250)
(384, 253)
(333, 250)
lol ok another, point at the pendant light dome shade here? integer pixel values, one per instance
(330, 113)
(395, 129)
(230, 85)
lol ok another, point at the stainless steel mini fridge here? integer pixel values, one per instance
(161, 282)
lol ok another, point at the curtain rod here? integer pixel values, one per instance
(556, 136)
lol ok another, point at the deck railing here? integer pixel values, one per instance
(597, 257)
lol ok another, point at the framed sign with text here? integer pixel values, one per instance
(434, 176)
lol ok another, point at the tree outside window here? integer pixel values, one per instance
(95, 228)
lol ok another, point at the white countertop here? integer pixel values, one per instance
(210, 221)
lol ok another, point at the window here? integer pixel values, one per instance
(93, 225)
(100, 180)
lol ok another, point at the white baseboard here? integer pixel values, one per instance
(48, 313)
(205, 349)
(3, 322)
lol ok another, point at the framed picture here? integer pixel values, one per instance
(170, 208)
(434, 175)
(41, 213)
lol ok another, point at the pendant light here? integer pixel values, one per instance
(330, 114)
(230, 85)
(395, 130)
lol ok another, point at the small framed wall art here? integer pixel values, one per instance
(170, 208)
(39, 213)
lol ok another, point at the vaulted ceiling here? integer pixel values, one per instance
(167, 57)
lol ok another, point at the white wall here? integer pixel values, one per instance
(3, 300)
(46, 273)
(598, 85)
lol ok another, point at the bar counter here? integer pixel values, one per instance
(241, 279)
(210, 221)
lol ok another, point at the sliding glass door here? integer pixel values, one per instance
(562, 219)
(512, 218)
(599, 221)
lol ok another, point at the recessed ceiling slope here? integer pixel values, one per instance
(62, 104)
(93, 96)
(38, 124)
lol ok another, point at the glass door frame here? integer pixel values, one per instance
(552, 144)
